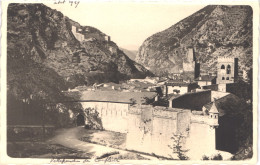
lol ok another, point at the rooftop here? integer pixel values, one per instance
(115, 96)
(180, 83)
(205, 78)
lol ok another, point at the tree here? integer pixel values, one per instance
(177, 147)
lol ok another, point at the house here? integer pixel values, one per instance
(205, 80)
(179, 87)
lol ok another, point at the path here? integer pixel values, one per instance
(69, 138)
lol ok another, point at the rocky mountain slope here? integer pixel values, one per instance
(130, 53)
(44, 57)
(213, 32)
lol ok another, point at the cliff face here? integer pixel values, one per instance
(41, 53)
(214, 31)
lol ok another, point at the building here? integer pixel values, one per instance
(190, 65)
(179, 87)
(75, 31)
(228, 108)
(205, 80)
(107, 38)
(227, 70)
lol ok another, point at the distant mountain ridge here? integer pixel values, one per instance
(130, 53)
(214, 31)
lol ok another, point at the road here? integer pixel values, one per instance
(70, 138)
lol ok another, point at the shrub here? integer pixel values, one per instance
(204, 157)
(217, 157)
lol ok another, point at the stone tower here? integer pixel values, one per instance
(190, 65)
(227, 70)
(213, 116)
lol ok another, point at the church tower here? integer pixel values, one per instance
(227, 70)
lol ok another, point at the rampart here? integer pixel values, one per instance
(150, 130)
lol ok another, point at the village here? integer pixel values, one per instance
(74, 93)
(151, 111)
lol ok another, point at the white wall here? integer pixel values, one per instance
(204, 83)
(113, 115)
(201, 141)
(183, 89)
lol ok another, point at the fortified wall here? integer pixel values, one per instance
(150, 130)
(113, 115)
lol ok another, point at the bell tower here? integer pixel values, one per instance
(227, 70)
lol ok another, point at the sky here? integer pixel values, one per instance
(128, 24)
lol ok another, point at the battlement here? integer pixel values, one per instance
(226, 59)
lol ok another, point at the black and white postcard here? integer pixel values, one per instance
(127, 82)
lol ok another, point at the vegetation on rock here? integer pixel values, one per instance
(214, 31)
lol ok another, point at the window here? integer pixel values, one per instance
(228, 69)
(222, 66)
(223, 78)
(227, 78)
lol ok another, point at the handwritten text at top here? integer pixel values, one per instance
(71, 2)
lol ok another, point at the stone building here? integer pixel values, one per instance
(227, 70)
(190, 64)
(75, 30)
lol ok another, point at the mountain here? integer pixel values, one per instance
(214, 31)
(130, 53)
(47, 52)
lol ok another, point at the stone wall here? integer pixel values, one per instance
(113, 115)
(194, 101)
(150, 130)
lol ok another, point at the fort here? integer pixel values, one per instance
(149, 129)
